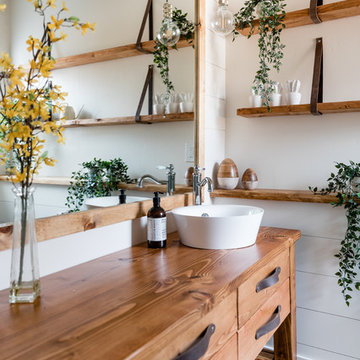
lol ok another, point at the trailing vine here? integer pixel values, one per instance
(271, 50)
(348, 196)
(96, 178)
(161, 52)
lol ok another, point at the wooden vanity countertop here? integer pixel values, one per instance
(120, 304)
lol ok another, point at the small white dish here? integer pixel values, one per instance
(158, 109)
(294, 98)
(275, 99)
(186, 107)
(172, 108)
(257, 101)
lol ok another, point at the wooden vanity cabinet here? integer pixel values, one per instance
(150, 304)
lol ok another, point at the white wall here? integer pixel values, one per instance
(215, 78)
(109, 89)
(5, 29)
(295, 152)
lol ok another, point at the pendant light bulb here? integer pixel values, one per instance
(223, 21)
(169, 33)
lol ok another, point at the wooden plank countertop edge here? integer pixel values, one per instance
(128, 284)
(67, 224)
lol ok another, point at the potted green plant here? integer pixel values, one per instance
(345, 184)
(271, 50)
(96, 178)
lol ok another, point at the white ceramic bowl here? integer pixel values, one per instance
(106, 201)
(218, 226)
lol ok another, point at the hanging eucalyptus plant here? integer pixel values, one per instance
(344, 184)
(161, 52)
(271, 50)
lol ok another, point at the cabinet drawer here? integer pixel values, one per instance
(261, 286)
(179, 338)
(228, 351)
(254, 335)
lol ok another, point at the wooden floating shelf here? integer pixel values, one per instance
(149, 187)
(119, 52)
(275, 195)
(45, 180)
(303, 109)
(334, 11)
(130, 120)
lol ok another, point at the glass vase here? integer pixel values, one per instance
(24, 276)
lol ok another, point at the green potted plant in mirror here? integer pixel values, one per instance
(345, 184)
(161, 50)
(25, 112)
(96, 178)
(271, 50)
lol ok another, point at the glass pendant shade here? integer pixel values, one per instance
(223, 21)
(169, 33)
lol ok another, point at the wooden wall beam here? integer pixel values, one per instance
(119, 52)
(62, 225)
(328, 12)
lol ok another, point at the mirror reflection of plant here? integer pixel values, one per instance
(161, 52)
(348, 196)
(271, 50)
(96, 178)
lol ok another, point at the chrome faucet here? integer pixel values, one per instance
(198, 184)
(170, 182)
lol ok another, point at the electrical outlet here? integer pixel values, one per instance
(189, 152)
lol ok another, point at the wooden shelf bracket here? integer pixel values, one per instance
(317, 84)
(314, 11)
(148, 85)
(148, 14)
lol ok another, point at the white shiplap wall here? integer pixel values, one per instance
(295, 152)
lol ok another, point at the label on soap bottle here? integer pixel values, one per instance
(156, 229)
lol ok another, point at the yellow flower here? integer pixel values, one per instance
(49, 161)
(2, 7)
(85, 27)
(51, 3)
(55, 23)
(64, 7)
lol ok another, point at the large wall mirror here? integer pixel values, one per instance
(104, 90)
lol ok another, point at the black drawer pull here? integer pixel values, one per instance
(269, 281)
(272, 324)
(199, 347)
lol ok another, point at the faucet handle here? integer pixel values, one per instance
(170, 168)
(197, 169)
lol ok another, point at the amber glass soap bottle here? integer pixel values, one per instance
(156, 225)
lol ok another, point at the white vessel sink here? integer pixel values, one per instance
(107, 201)
(218, 226)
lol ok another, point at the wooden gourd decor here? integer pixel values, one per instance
(189, 176)
(249, 180)
(228, 175)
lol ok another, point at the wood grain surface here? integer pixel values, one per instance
(337, 10)
(67, 224)
(121, 305)
(275, 195)
(118, 52)
(129, 120)
(302, 109)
